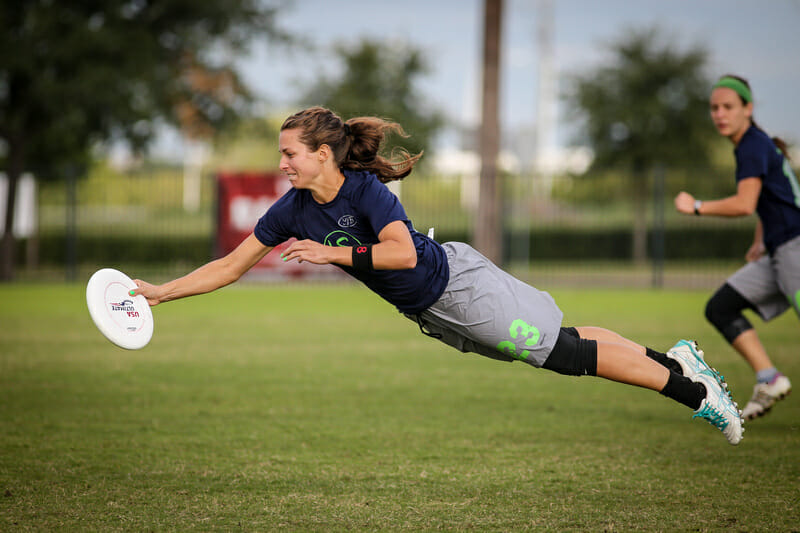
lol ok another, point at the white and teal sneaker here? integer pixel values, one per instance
(692, 362)
(719, 409)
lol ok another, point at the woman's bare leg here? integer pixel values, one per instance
(749, 346)
(622, 360)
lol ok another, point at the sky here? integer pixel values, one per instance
(758, 39)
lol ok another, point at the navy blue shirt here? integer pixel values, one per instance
(358, 213)
(779, 202)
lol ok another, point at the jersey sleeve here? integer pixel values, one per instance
(274, 226)
(381, 206)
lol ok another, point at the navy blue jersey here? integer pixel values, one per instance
(361, 209)
(779, 202)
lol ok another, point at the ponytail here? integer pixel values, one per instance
(367, 137)
(782, 146)
(356, 143)
(780, 143)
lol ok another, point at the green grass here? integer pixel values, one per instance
(319, 408)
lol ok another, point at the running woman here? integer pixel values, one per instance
(342, 213)
(770, 281)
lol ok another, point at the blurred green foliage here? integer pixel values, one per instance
(648, 104)
(380, 79)
(77, 74)
(88, 72)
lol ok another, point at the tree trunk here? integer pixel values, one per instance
(8, 244)
(640, 203)
(488, 228)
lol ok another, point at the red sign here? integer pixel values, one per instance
(242, 198)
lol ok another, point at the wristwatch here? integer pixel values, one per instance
(697, 204)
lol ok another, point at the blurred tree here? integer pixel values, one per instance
(648, 107)
(73, 74)
(379, 79)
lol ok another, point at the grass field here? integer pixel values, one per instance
(319, 408)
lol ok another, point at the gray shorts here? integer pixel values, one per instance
(772, 283)
(487, 311)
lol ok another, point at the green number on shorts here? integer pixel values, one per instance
(522, 327)
(508, 347)
(528, 332)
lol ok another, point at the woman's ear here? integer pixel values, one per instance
(324, 153)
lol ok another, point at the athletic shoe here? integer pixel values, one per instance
(765, 395)
(719, 409)
(692, 362)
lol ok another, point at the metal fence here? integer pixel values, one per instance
(147, 222)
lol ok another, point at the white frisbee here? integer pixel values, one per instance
(125, 320)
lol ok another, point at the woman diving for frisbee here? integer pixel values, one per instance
(342, 213)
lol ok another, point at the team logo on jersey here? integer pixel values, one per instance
(347, 221)
(340, 238)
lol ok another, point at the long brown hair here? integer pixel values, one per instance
(355, 143)
(780, 143)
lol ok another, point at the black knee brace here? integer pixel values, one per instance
(572, 355)
(572, 331)
(724, 311)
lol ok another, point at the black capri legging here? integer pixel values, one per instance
(724, 311)
(572, 355)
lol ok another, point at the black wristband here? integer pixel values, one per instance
(697, 204)
(362, 257)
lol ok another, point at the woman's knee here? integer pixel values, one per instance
(724, 312)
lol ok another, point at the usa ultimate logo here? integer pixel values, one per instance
(124, 305)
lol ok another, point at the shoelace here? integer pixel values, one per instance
(713, 416)
(719, 378)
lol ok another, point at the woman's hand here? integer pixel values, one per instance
(308, 250)
(684, 203)
(148, 290)
(756, 251)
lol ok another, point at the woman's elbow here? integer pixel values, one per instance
(746, 210)
(233, 277)
(229, 273)
(410, 259)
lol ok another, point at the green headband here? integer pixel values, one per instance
(740, 88)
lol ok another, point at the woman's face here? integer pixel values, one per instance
(730, 116)
(300, 164)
